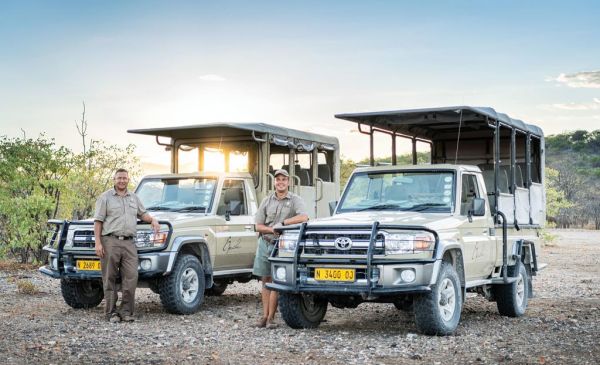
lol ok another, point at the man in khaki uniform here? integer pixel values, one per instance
(115, 226)
(278, 209)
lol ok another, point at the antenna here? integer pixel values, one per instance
(458, 137)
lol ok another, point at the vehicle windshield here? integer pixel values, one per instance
(177, 194)
(417, 191)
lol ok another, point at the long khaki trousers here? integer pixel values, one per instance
(120, 257)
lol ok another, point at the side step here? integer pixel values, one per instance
(494, 281)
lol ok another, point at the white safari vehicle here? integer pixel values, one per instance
(422, 236)
(206, 206)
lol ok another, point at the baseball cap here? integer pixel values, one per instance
(281, 172)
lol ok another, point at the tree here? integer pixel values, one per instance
(32, 172)
(93, 173)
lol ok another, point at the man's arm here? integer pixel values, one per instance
(261, 228)
(153, 222)
(97, 239)
(300, 218)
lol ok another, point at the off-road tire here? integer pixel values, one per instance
(512, 299)
(153, 285)
(217, 289)
(302, 311)
(405, 305)
(438, 312)
(182, 292)
(82, 293)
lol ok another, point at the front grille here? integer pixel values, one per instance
(323, 243)
(84, 239)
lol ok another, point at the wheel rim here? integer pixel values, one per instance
(520, 290)
(189, 285)
(447, 300)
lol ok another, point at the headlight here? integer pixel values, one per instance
(288, 241)
(408, 242)
(149, 239)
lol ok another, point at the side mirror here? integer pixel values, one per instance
(478, 208)
(332, 206)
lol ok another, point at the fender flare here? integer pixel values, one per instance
(196, 245)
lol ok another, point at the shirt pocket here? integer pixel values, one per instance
(285, 212)
(133, 208)
(114, 208)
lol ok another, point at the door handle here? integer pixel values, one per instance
(249, 228)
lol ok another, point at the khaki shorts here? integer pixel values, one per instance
(262, 266)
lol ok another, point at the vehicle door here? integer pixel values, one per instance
(236, 237)
(479, 246)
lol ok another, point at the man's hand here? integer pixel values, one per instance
(155, 225)
(99, 249)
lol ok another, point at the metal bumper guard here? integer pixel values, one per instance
(370, 289)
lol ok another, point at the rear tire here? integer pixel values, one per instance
(182, 292)
(438, 312)
(302, 311)
(81, 294)
(512, 299)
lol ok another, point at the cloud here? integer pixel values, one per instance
(584, 79)
(211, 77)
(594, 105)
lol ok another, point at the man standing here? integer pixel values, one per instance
(115, 227)
(278, 209)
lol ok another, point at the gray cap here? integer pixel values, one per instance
(281, 172)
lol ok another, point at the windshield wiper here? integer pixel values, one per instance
(424, 206)
(380, 207)
(157, 207)
(191, 208)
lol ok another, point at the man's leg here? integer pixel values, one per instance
(129, 278)
(262, 269)
(266, 300)
(272, 306)
(109, 264)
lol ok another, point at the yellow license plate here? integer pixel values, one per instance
(88, 265)
(335, 274)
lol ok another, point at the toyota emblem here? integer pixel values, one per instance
(343, 243)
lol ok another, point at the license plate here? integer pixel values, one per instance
(88, 265)
(335, 274)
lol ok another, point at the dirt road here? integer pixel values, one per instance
(561, 326)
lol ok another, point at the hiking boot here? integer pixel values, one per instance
(128, 318)
(114, 318)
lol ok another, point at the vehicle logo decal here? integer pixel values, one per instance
(343, 243)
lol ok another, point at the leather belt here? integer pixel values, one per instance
(122, 238)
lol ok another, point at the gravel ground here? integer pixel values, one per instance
(561, 326)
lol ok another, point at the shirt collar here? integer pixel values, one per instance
(114, 191)
(287, 196)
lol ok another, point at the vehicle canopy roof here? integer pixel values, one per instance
(217, 130)
(430, 123)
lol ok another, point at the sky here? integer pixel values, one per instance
(145, 64)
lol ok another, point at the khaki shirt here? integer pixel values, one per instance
(274, 211)
(119, 214)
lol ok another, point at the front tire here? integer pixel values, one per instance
(81, 294)
(438, 312)
(302, 311)
(182, 292)
(512, 299)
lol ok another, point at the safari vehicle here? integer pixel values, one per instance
(422, 236)
(206, 206)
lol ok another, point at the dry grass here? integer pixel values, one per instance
(26, 287)
(9, 265)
